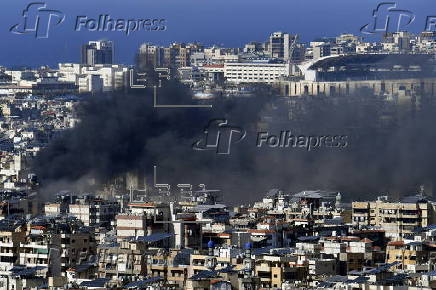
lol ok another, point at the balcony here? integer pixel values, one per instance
(34, 256)
(6, 245)
(7, 254)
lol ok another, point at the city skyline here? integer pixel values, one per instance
(243, 23)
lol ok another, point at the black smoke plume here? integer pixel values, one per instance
(390, 147)
(123, 132)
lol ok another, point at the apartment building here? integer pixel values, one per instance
(176, 264)
(54, 209)
(93, 210)
(122, 260)
(97, 52)
(410, 256)
(12, 233)
(129, 225)
(21, 204)
(57, 245)
(398, 219)
(272, 270)
(200, 262)
(280, 45)
(318, 267)
(76, 248)
(171, 265)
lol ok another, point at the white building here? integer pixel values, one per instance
(129, 225)
(90, 83)
(93, 212)
(255, 72)
(112, 77)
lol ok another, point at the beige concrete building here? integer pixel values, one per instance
(273, 270)
(407, 254)
(116, 261)
(396, 218)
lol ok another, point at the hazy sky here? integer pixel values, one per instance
(227, 22)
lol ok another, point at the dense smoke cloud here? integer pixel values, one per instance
(122, 132)
(390, 147)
